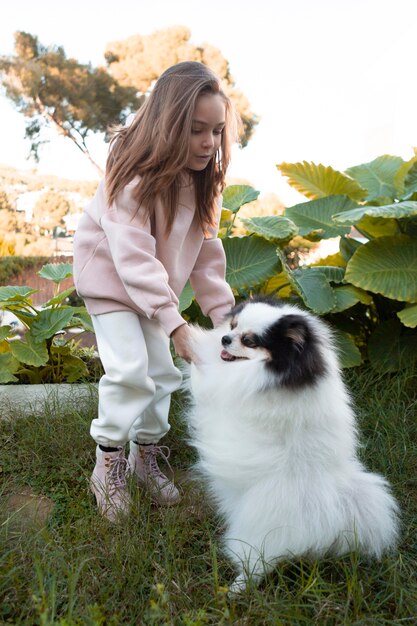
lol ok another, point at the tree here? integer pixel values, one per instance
(4, 200)
(141, 59)
(8, 222)
(50, 89)
(8, 225)
(77, 100)
(49, 211)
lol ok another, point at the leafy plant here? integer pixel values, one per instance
(44, 354)
(368, 290)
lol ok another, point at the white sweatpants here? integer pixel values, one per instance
(140, 376)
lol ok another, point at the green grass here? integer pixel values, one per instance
(163, 566)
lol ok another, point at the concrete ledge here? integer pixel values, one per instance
(34, 400)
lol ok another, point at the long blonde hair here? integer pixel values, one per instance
(156, 145)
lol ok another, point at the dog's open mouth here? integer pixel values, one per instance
(226, 356)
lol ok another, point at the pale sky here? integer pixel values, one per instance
(333, 81)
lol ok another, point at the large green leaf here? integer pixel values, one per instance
(8, 366)
(405, 179)
(236, 196)
(60, 297)
(410, 183)
(408, 315)
(279, 285)
(397, 211)
(186, 297)
(82, 319)
(349, 353)
(387, 265)
(49, 322)
(5, 331)
(347, 247)
(74, 369)
(348, 295)
(316, 216)
(389, 349)
(333, 273)
(318, 181)
(372, 227)
(13, 294)
(314, 288)
(56, 271)
(378, 176)
(25, 316)
(250, 261)
(271, 227)
(30, 351)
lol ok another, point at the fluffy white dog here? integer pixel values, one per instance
(276, 439)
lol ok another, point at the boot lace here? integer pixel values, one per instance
(151, 452)
(117, 472)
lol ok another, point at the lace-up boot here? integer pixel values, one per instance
(108, 484)
(144, 465)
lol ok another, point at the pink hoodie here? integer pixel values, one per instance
(122, 264)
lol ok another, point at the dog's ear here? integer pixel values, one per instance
(296, 331)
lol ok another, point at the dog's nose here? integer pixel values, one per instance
(226, 341)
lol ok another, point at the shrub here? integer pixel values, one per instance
(45, 354)
(12, 266)
(368, 290)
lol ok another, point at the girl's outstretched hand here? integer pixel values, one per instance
(181, 339)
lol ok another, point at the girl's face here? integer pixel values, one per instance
(206, 133)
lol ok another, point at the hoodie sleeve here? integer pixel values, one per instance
(133, 250)
(207, 279)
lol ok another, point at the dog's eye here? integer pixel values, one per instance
(248, 341)
(233, 325)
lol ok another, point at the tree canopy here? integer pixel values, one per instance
(74, 98)
(49, 211)
(51, 89)
(139, 61)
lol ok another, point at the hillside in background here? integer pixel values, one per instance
(39, 213)
(18, 181)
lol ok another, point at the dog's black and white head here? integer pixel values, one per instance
(288, 340)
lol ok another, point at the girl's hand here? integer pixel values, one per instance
(181, 340)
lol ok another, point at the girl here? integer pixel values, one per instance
(152, 226)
